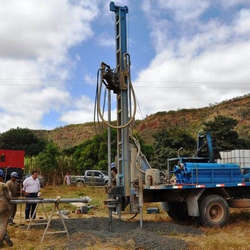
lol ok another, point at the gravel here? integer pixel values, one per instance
(154, 235)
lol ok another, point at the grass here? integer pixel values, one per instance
(236, 235)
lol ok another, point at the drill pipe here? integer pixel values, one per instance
(63, 200)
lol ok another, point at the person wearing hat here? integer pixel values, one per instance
(13, 187)
(113, 174)
(5, 208)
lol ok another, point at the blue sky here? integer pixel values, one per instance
(185, 54)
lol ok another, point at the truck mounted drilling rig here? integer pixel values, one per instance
(202, 188)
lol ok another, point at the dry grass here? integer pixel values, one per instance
(234, 236)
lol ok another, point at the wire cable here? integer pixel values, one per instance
(132, 118)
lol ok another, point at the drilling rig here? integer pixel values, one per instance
(128, 157)
(202, 188)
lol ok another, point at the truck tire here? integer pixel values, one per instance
(79, 184)
(214, 211)
(176, 210)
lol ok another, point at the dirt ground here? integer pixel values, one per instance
(154, 235)
(159, 231)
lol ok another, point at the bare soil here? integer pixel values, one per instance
(154, 235)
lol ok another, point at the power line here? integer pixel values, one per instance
(193, 84)
(146, 81)
(196, 82)
(188, 87)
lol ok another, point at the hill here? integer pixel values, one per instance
(68, 136)
(192, 119)
(189, 119)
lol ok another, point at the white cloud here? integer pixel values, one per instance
(83, 111)
(242, 24)
(90, 80)
(35, 39)
(184, 10)
(105, 40)
(204, 62)
(233, 3)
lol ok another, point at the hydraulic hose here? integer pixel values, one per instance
(132, 118)
(139, 155)
(96, 94)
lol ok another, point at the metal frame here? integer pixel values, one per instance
(123, 159)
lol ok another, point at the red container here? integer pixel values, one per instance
(11, 158)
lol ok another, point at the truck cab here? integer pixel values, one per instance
(95, 177)
(12, 161)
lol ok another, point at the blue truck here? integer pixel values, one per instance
(202, 188)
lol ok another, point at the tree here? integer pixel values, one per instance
(223, 134)
(93, 153)
(21, 139)
(146, 149)
(47, 161)
(167, 142)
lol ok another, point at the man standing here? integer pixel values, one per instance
(67, 179)
(31, 187)
(13, 188)
(5, 209)
(113, 174)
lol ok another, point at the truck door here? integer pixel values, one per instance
(88, 177)
(98, 178)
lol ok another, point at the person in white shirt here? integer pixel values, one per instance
(31, 188)
(67, 179)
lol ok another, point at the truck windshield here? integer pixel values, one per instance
(105, 172)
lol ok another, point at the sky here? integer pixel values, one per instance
(184, 54)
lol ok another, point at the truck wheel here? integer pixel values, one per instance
(79, 184)
(214, 211)
(176, 210)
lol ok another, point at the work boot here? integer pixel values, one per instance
(8, 240)
(11, 222)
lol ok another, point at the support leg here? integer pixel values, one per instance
(44, 211)
(63, 222)
(119, 211)
(47, 227)
(32, 217)
(20, 213)
(110, 219)
(141, 200)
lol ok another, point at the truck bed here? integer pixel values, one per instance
(195, 186)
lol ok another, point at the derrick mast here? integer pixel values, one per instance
(123, 159)
(128, 154)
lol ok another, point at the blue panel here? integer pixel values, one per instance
(209, 173)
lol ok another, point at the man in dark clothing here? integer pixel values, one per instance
(13, 188)
(113, 175)
(5, 209)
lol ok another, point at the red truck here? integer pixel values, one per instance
(12, 160)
